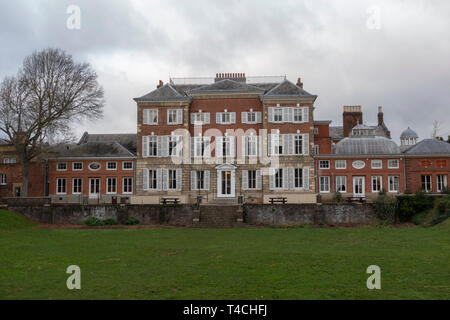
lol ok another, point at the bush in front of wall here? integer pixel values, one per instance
(385, 208)
(93, 221)
(131, 221)
(109, 222)
(337, 197)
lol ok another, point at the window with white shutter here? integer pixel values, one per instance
(306, 144)
(150, 116)
(153, 146)
(306, 178)
(145, 147)
(174, 116)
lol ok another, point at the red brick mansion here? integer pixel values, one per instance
(234, 138)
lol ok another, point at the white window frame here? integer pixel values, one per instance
(251, 144)
(172, 172)
(430, 182)
(178, 119)
(297, 110)
(339, 183)
(124, 184)
(127, 169)
(58, 185)
(9, 160)
(295, 138)
(327, 179)
(374, 161)
(440, 185)
(107, 185)
(110, 162)
(153, 140)
(149, 118)
(393, 167)
(316, 149)
(340, 161)
(73, 166)
(380, 185)
(275, 111)
(57, 166)
(322, 162)
(390, 178)
(2, 179)
(300, 176)
(73, 186)
(280, 179)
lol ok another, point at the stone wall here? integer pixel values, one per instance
(290, 214)
(182, 215)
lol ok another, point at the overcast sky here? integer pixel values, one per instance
(395, 54)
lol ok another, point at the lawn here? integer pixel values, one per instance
(247, 263)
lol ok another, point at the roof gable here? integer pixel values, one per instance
(287, 88)
(166, 92)
(226, 86)
(430, 146)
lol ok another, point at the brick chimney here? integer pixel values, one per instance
(240, 77)
(380, 116)
(300, 83)
(351, 117)
(160, 84)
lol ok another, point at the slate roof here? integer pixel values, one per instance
(165, 93)
(92, 150)
(225, 86)
(375, 145)
(287, 88)
(127, 140)
(429, 146)
(337, 132)
(409, 133)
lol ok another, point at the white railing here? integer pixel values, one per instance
(210, 80)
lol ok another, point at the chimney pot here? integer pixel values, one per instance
(300, 83)
(160, 84)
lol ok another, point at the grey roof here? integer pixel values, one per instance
(409, 133)
(337, 133)
(287, 88)
(92, 150)
(164, 93)
(430, 146)
(225, 86)
(127, 140)
(375, 145)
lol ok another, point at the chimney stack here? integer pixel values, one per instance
(380, 116)
(240, 77)
(351, 117)
(300, 83)
(160, 84)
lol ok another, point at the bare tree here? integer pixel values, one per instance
(40, 104)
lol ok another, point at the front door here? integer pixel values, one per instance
(358, 186)
(94, 188)
(225, 183)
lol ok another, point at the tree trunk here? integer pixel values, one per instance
(25, 171)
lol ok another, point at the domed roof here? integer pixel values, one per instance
(408, 133)
(375, 145)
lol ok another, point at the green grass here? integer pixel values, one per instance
(284, 263)
(12, 221)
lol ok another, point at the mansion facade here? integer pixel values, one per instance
(233, 137)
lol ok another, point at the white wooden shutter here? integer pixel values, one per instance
(179, 116)
(144, 146)
(291, 174)
(271, 178)
(192, 118)
(258, 117)
(218, 148)
(244, 146)
(244, 117)
(163, 146)
(260, 146)
(233, 117)
(192, 147)
(145, 179)
(305, 114)
(165, 179)
(179, 149)
(270, 111)
(286, 178)
(193, 180)
(145, 116)
(207, 117)
(258, 179)
(167, 114)
(244, 179)
(269, 144)
(159, 172)
(232, 147)
(179, 178)
(305, 144)
(286, 144)
(286, 114)
(207, 152)
(306, 178)
(219, 117)
(207, 179)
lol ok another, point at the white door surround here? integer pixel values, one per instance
(226, 181)
(358, 186)
(94, 188)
